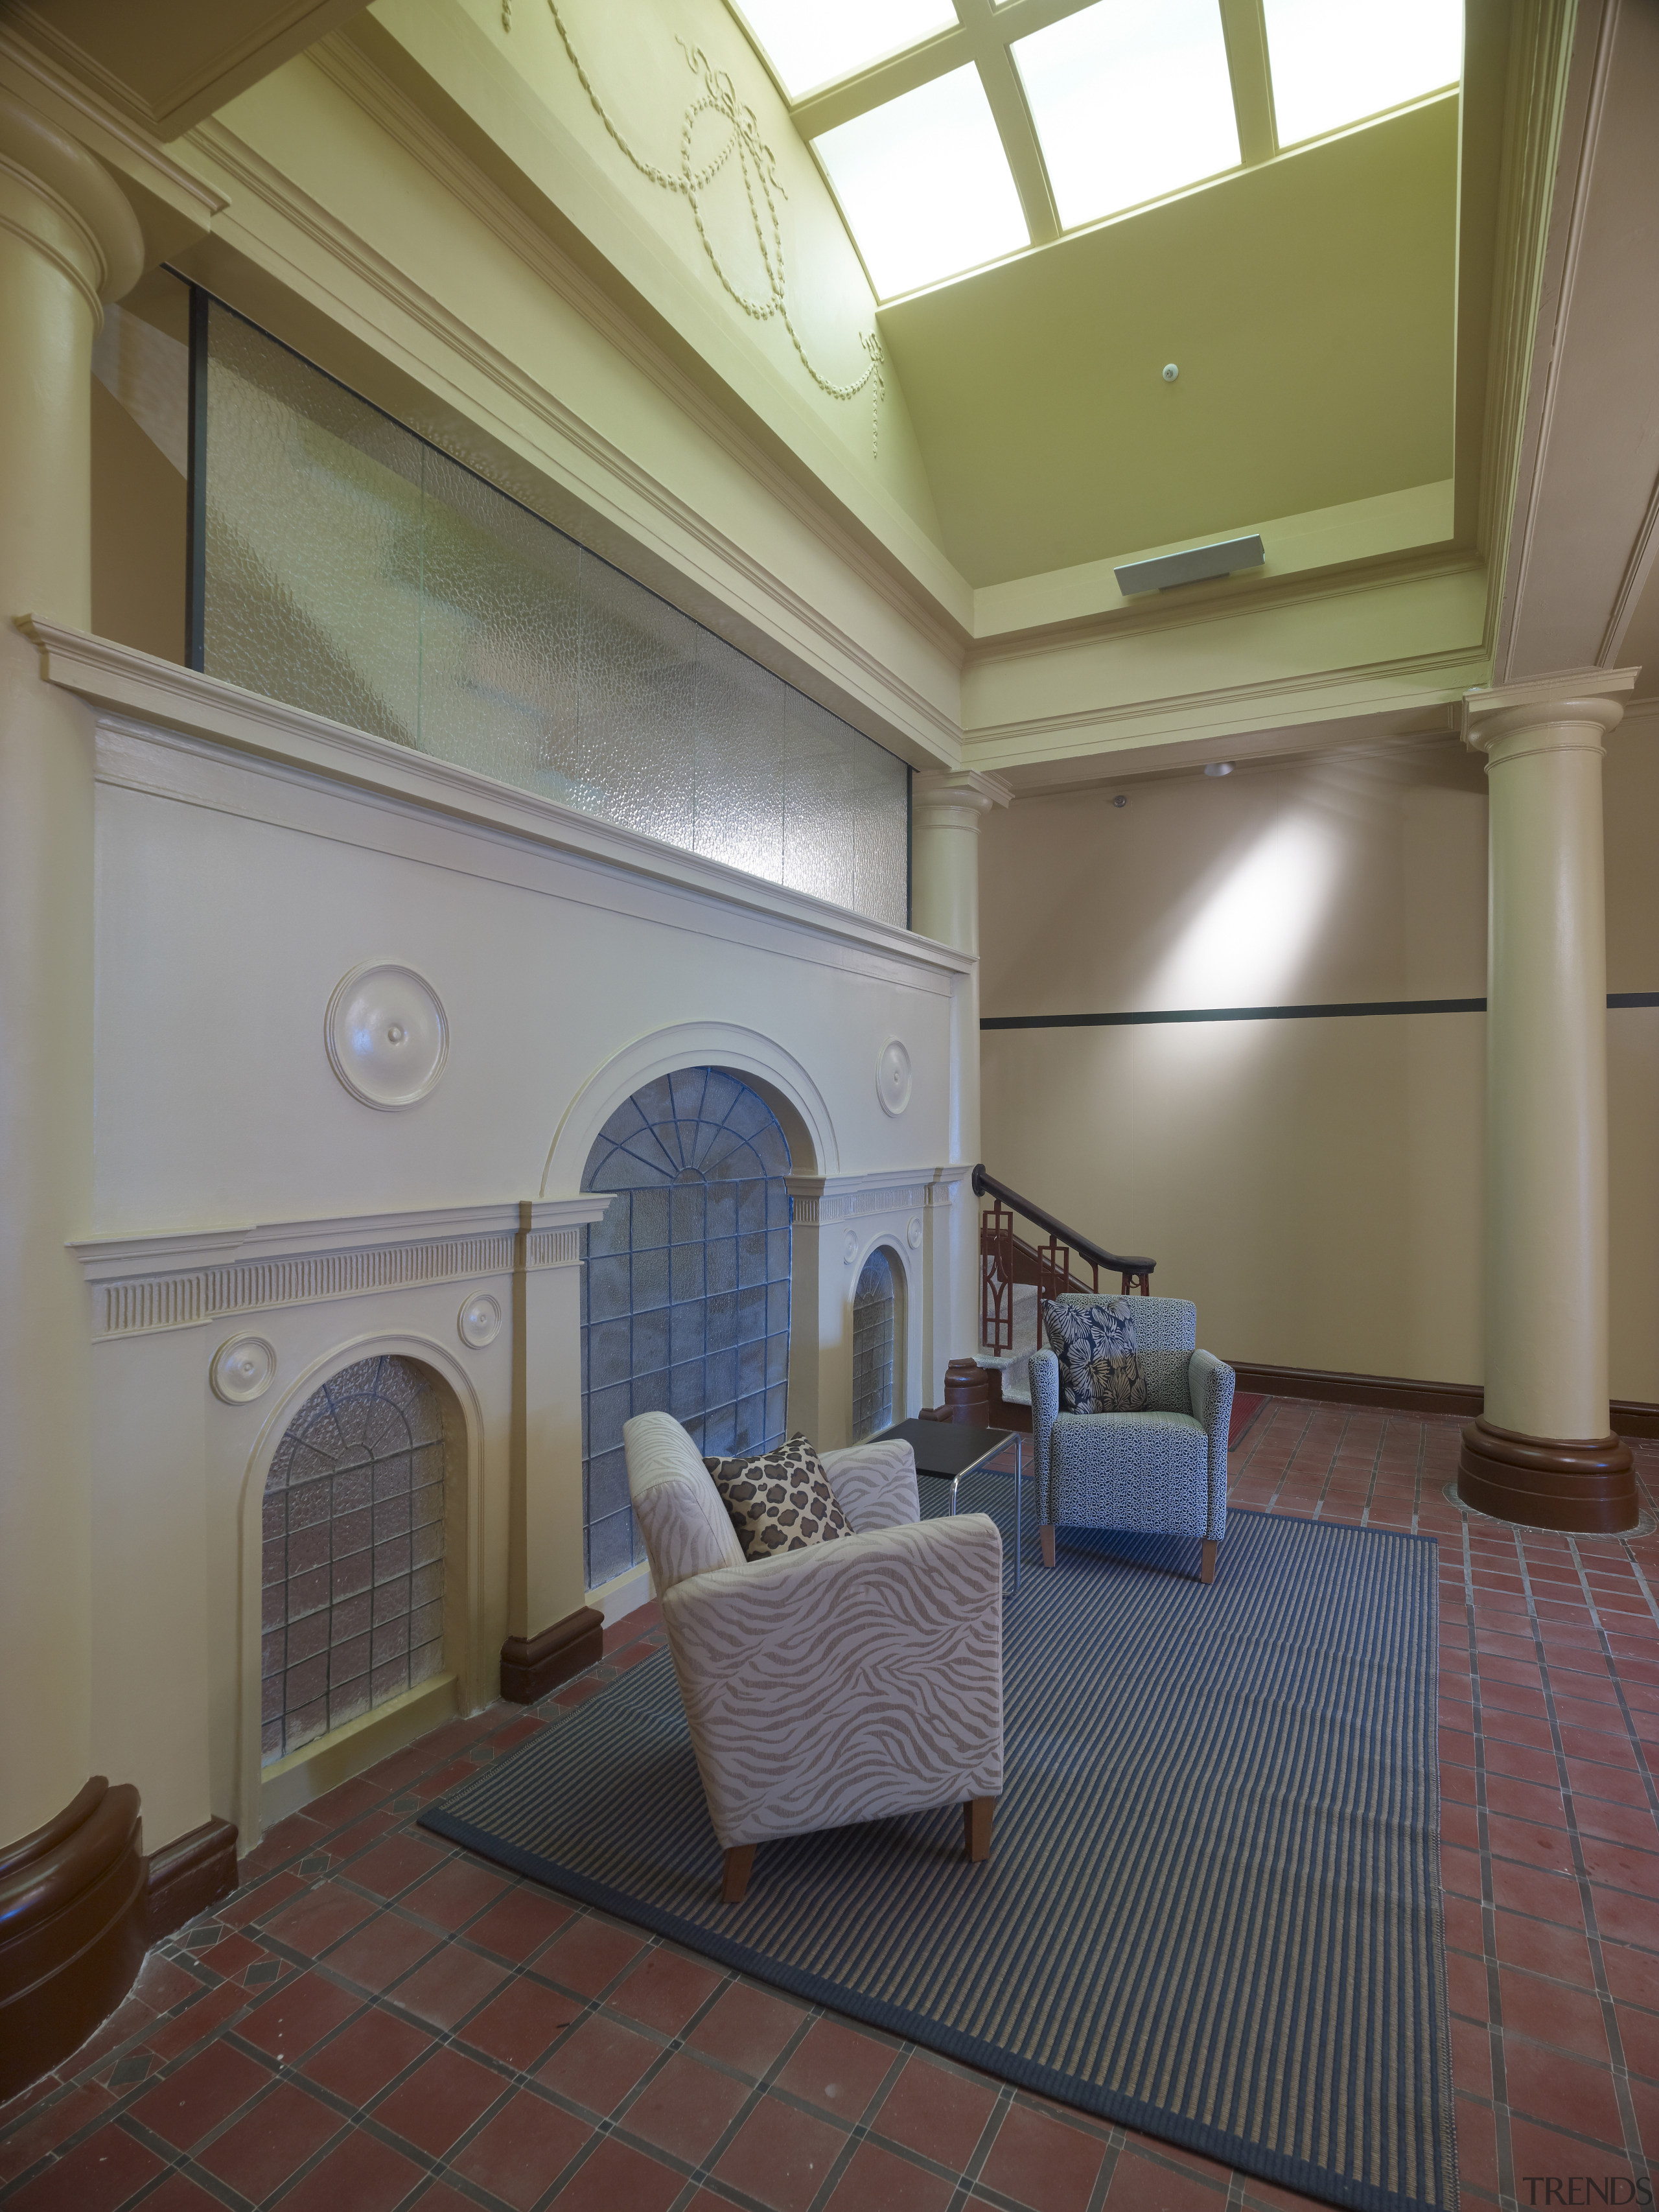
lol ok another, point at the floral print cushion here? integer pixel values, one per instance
(1081, 1337)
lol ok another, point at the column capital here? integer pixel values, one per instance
(1570, 711)
(961, 791)
(66, 205)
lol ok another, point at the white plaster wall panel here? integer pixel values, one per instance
(217, 1100)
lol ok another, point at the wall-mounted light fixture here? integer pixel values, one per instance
(1197, 565)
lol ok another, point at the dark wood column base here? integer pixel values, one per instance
(190, 1873)
(74, 1924)
(1586, 1489)
(533, 1665)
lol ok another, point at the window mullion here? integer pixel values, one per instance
(1244, 27)
(1019, 143)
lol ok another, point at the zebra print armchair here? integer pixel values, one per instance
(847, 1682)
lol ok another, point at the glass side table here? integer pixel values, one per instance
(950, 1450)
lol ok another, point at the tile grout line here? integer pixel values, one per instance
(1504, 2147)
(1632, 2133)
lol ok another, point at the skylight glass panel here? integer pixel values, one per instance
(925, 184)
(1337, 61)
(1130, 101)
(810, 46)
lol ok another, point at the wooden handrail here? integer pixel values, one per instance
(1084, 1247)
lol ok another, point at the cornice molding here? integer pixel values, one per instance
(841, 659)
(180, 1278)
(1535, 260)
(819, 1200)
(159, 697)
(1412, 682)
(56, 68)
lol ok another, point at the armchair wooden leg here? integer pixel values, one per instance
(976, 1826)
(1207, 1570)
(1047, 1535)
(739, 1863)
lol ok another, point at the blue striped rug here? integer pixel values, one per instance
(1212, 1907)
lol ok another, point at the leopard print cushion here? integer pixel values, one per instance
(781, 1501)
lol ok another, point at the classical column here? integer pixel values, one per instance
(946, 808)
(1542, 1453)
(72, 1895)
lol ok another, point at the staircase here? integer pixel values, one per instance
(1018, 1276)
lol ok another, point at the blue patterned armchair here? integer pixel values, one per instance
(1160, 1473)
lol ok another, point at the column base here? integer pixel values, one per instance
(533, 1665)
(74, 1922)
(1586, 1489)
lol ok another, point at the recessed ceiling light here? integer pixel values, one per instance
(925, 184)
(811, 47)
(1129, 102)
(1218, 768)
(1335, 62)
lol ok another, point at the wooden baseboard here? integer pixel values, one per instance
(73, 1929)
(1632, 1417)
(190, 1873)
(533, 1665)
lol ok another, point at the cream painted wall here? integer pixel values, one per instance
(1314, 1185)
(234, 892)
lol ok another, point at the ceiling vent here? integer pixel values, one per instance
(1197, 565)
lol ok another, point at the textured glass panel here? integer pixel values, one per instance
(500, 627)
(872, 1347)
(312, 548)
(355, 570)
(348, 1590)
(817, 850)
(635, 756)
(739, 761)
(877, 808)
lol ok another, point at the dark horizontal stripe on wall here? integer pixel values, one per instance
(1271, 1013)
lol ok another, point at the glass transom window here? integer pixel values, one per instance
(811, 47)
(1130, 102)
(925, 185)
(1335, 62)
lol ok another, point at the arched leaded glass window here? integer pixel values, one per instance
(353, 1551)
(873, 1304)
(685, 1293)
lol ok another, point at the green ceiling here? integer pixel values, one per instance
(1308, 302)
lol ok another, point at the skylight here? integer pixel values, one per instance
(1130, 102)
(1335, 62)
(925, 184)
(814, 45)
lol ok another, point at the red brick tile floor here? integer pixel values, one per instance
(376, 2021)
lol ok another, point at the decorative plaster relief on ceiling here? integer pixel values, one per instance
(387, 1034)
(762, 189)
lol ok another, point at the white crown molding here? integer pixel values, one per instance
(820, 1199)
(180, 1278)
(1558, 79)
(1406, 685)
(90, 102)
(161, 697)
(596, 471)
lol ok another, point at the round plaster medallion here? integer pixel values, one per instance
(893, 1076)
(480, 1321)
(243, 1368)
(913, 1234)
(850, 1246)
(387, 1034)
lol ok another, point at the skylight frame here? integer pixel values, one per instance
(984, 33)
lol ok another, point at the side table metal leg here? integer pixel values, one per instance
(1020, 1500)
